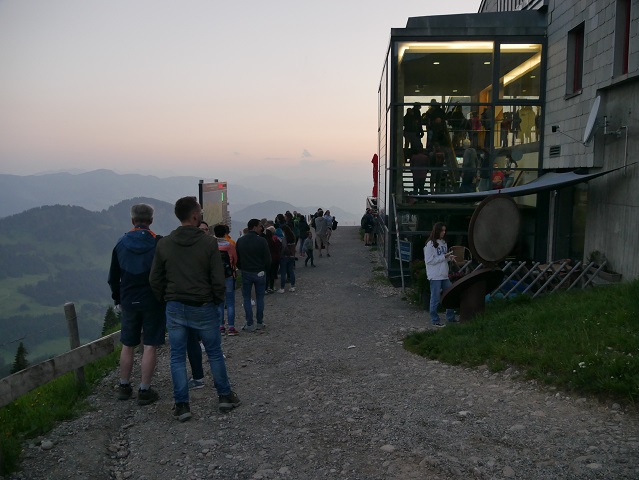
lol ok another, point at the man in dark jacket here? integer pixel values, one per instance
(141, 312)
(188, 274)
(253, 260)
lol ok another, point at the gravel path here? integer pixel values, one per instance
(328, 392)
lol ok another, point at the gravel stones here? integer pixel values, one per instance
(314, 408)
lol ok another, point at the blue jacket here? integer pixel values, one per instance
(130, 267)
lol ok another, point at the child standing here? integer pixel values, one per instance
(308, 248)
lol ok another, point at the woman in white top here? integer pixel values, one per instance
(436, 256)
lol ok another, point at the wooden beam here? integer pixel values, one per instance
(16, 385)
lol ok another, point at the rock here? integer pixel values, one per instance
(388, 448)
(508, 472)
(46, 445)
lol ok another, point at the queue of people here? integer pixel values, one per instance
(183, 283)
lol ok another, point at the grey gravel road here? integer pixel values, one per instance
(328, 392)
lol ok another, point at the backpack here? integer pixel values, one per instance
(364, 221)
(334, 225)
(226, 262)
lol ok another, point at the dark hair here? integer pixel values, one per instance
(203, 222)
(185, 207)
(219, 231)
(436, 232)
(252, 223)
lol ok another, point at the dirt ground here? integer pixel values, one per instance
(328, 392)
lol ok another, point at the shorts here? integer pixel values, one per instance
(151, 324)
(322, 240)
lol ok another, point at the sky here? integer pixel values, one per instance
(196, 87)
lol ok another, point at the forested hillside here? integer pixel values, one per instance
(55, 254)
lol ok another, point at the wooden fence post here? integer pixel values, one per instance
(74, 337)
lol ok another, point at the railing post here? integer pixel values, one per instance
(74, 337)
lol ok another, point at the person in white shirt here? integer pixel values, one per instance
(436, 257)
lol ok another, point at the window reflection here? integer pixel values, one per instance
(519, 71)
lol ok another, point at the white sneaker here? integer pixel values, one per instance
(281, 290)
(292, 289)
(252, 302)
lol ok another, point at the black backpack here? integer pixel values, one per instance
(334, 226)
(226, 262)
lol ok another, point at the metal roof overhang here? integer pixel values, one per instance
(549, 181)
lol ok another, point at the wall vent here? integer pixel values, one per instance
(555, 151)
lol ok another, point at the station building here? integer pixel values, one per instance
(552, 86)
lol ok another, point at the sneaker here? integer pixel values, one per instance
(232, 332)
(229, 402)
(438, 325)
(260, 326)
(124, 391)
(253, 302)
(196, 384)
(292, 289)
(281, 290)
(147, 397)
(182, 411)
(222, 330)
(248, 328)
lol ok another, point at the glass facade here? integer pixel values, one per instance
(440, 95)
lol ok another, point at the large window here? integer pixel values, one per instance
(575, 60)
(622, 37)
(519, 71)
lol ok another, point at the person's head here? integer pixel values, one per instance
(328, 212)
(142, 214)
(219, 231)
(495, 165)
(204, 226)
(320, 213)
(253, 225)
(228, 229)
(309, 234)
(466, 143)
(438, 233)
(188, 211)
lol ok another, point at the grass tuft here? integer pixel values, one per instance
(582, 341)
(38, 411)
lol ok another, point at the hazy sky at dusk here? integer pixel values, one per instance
(196, 87)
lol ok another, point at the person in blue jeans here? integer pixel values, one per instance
(229, 260)
(436, 257)
(253, 261)
(287, 260)
(188, 274)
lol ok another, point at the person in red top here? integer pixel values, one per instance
(497, 177)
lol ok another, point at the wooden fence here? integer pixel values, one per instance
(16, 385)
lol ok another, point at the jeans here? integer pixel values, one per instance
(309, 256)
(436, 287)
(248, 280)
(204, 320)
(271, 274)
(229, 300)
(194, 353)
(287, 268)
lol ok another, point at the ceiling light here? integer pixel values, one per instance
(486, 63)
(454, 91)
(533, 76)
(435, 63)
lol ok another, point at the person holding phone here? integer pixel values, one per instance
(436, 257)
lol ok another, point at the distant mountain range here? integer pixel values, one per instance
(56, 254)
(100, 189)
